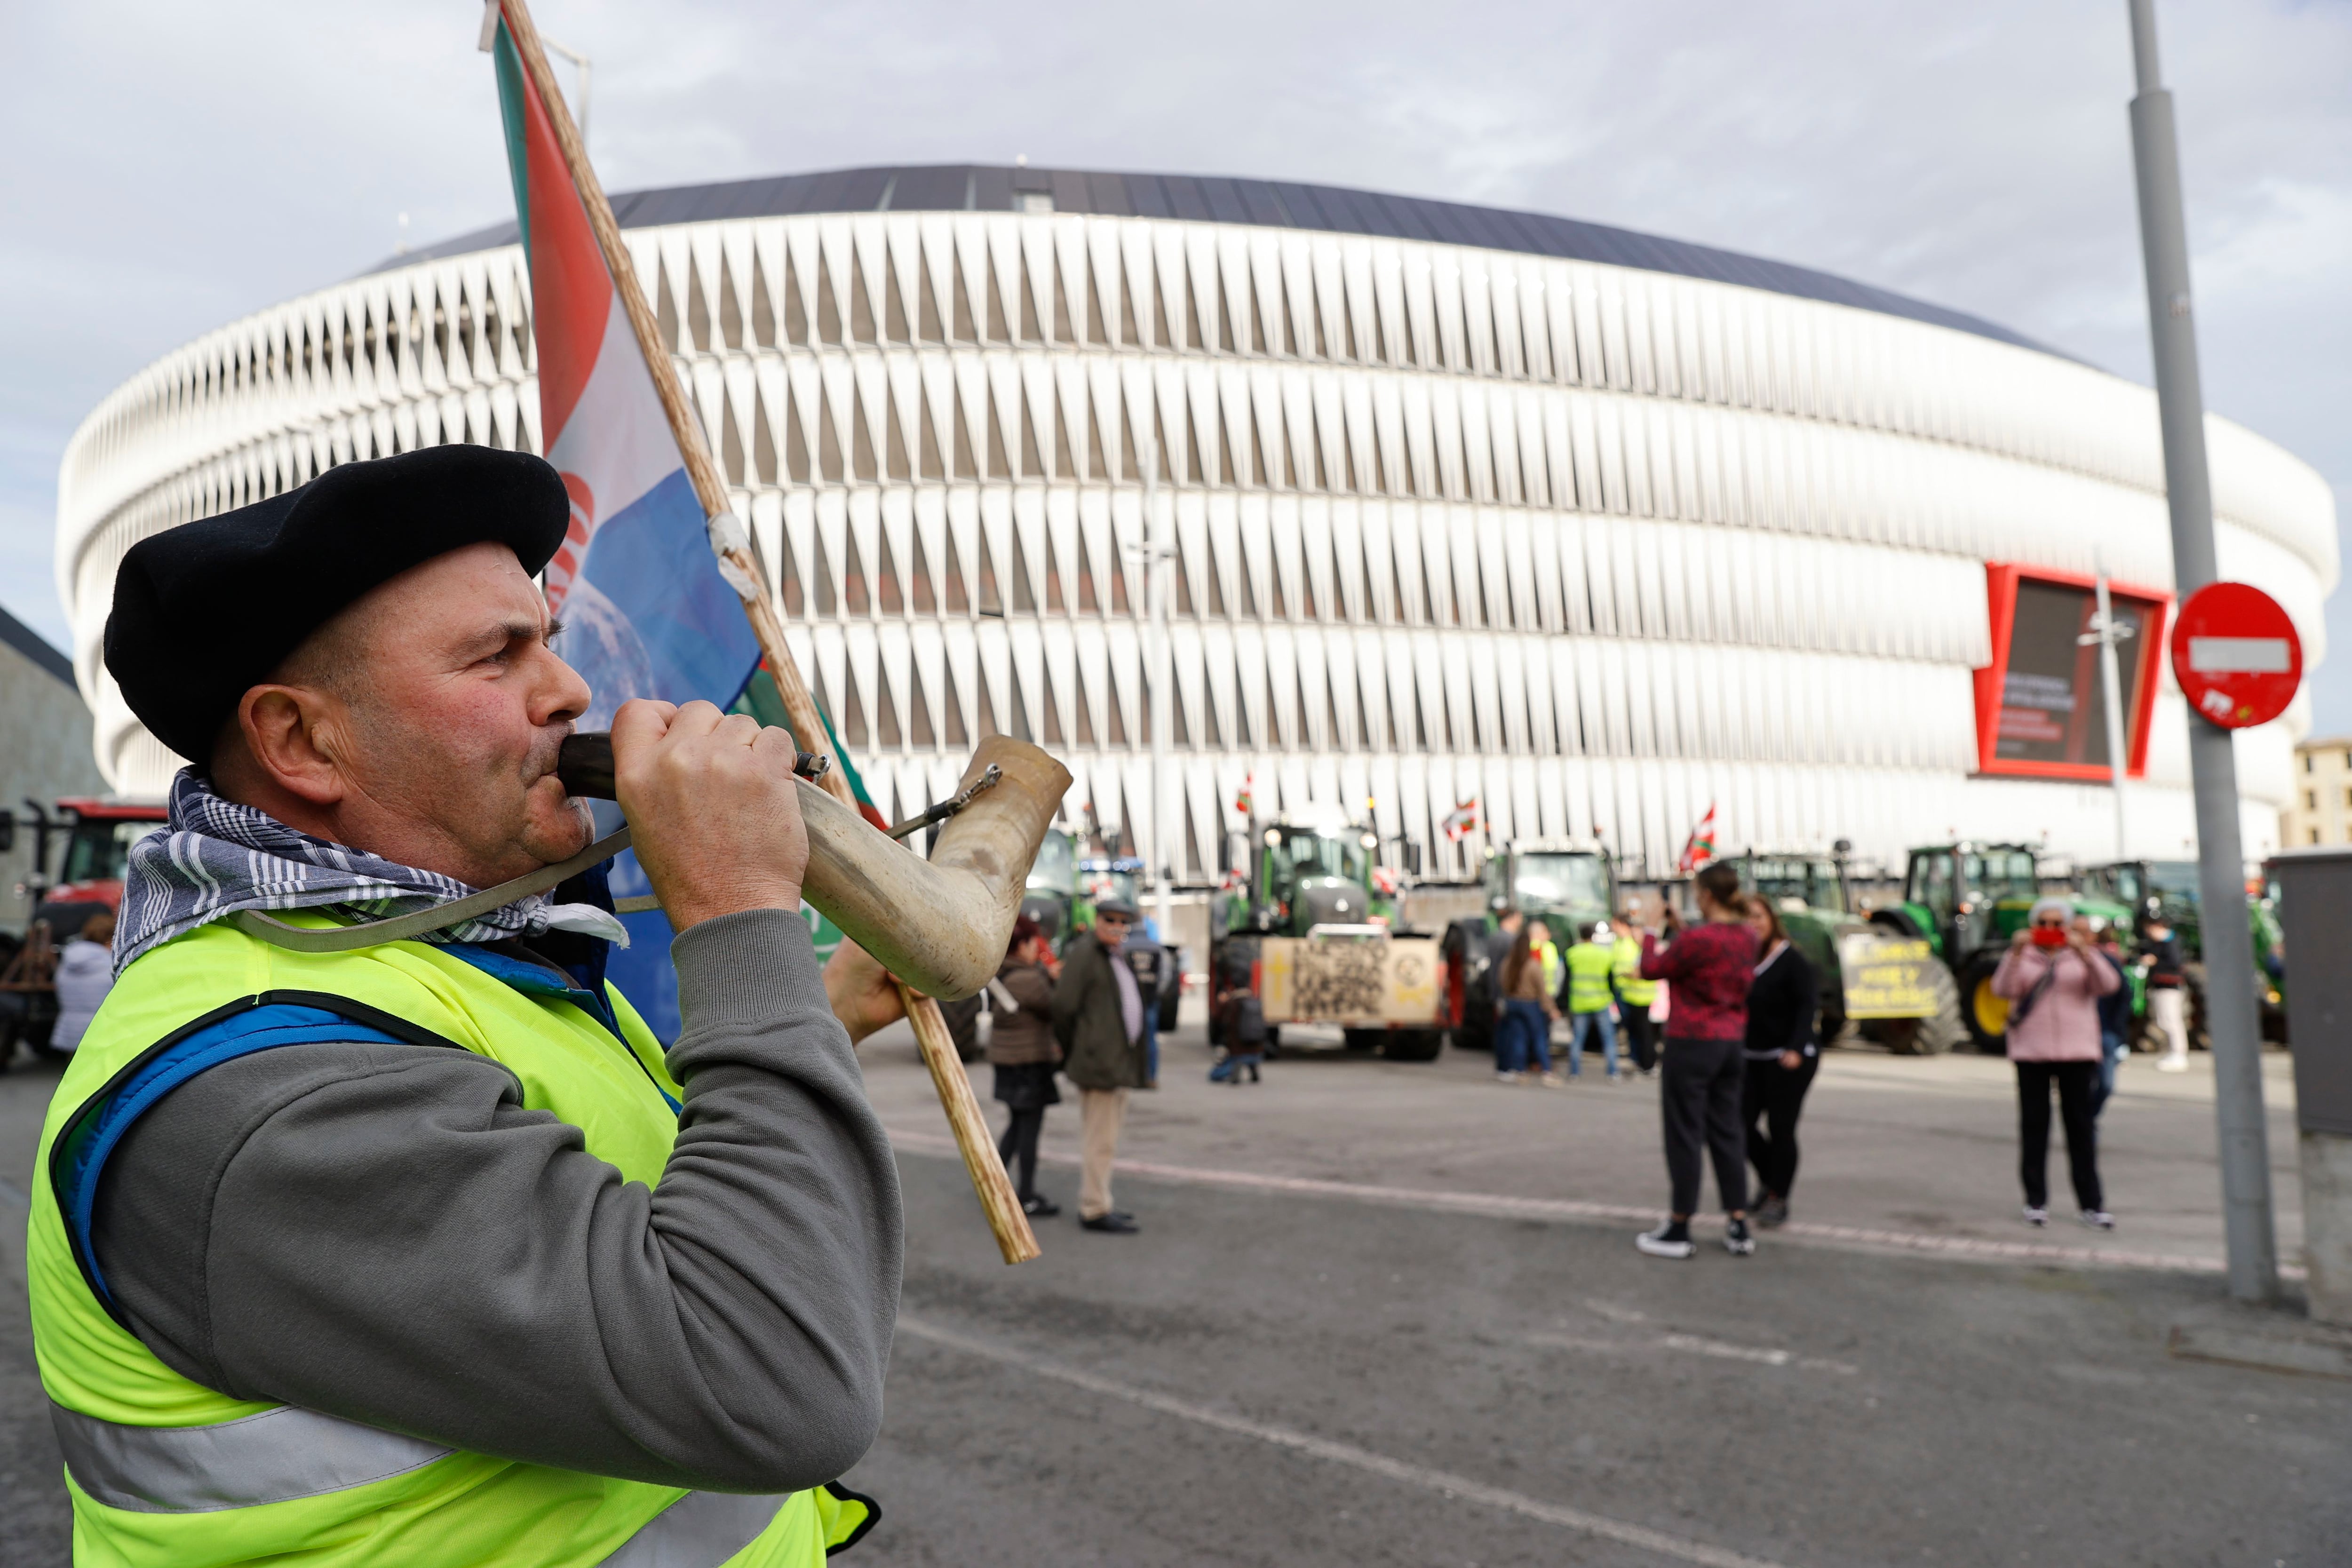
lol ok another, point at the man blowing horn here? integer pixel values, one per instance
(427, 1252)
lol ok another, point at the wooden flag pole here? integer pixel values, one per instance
(1014, 1239)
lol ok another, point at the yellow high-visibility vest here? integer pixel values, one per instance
(166, 1473)
(1636, 991)
(1587, 978)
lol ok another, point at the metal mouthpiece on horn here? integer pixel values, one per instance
(939, 924)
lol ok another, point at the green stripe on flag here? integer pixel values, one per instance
(762, 701)
(511, 112)
(841, 757)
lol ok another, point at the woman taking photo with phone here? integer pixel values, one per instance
(2053, 979)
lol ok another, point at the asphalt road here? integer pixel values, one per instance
(1280, 1375)
(1154, 1400)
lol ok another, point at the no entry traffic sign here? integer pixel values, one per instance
(2236, 655)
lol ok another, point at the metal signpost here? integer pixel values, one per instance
(2251, 1236)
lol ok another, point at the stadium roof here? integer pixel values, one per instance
(1277, 204)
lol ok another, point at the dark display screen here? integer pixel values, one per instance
(2051, 696)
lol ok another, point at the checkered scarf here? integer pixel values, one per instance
(215, 857)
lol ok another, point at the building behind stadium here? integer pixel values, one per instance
(1506, 524)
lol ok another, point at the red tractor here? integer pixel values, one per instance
(98, 835)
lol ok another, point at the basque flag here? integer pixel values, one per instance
(646, 612)
(1699, 848)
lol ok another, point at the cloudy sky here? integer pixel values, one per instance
(175, 166)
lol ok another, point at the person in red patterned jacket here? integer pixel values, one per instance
(1710, 966)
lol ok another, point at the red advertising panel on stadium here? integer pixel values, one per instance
(2040, 706)
(2236, 655)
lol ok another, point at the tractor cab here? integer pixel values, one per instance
(1965, 896)
(1051, 896)
(1564, 882)
(2153, 889)
(1311, 869)
(1808, 889)
(1567, 883)
(99, 834)
(1798, 882)
(1102, 880)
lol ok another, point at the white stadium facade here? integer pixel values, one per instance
(1591, 529)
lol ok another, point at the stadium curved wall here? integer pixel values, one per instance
(1592, 544)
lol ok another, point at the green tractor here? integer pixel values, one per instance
(1967, 901)
(2168, 891)
(1310, 932)
(1050, 898)
(1567, 883)
(1809, 890)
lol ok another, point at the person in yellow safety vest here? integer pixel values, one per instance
(1635, 996)
(1549, 951)
(423, 1250)
(1589, 1005)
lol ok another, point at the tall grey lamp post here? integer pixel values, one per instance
(579, 60)
(2250, 1235)
(1153, 555)
(2107, 633)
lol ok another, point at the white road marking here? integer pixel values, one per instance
(1440, 1481)
(1615, 1313)
(1694, 1344)
(1499, 1205)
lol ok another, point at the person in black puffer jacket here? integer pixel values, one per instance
(1783, 1050)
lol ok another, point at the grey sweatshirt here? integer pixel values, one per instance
(383, 1233)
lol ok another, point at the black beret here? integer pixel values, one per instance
(206, 611)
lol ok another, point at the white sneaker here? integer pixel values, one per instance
(2173, 1064)
(2034, 1216)
(2099, 1219)
(1658, 1244)
(1507, 1078)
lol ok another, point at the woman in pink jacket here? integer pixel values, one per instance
(2053, 979)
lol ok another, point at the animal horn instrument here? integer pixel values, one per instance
(940, 924)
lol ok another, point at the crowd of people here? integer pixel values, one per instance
(1726, 1011)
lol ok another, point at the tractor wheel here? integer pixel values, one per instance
(1986, 1015)
(1932, 1036)
(963, 1027)
(1412, 1045)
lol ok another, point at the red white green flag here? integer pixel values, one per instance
(634, 581)
(1699, 848)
